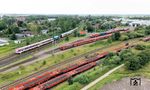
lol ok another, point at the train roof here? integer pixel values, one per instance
(34, 43)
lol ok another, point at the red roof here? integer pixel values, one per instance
(82, 32)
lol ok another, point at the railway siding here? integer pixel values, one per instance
(53, 67)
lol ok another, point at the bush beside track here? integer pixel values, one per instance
(124, 72)
(83, 79)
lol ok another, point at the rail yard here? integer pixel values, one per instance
(63, 56)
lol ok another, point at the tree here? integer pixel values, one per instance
(44, 62)
(75, 33)
(108, 25)
(116, 60)
(35, 28)
(20, 23)
(2, 25)
(90, 28)
(13, 36)
(67, 39)
(125, 55)
(140, 47)
(9, 31)
(147, 31)
(116, 36)
(123, 38)
(144, 57)
(15, 28)
(133, 63)
(27, 41)
(70, 81)
(82, 79)
(112, 59)
(110, 55)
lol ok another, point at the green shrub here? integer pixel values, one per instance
(123, 38)
(133, 63)
(82, 79)
(140, 47)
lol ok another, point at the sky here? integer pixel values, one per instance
(74, 6)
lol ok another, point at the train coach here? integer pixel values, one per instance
(146, 39)
(83, 41)
(108, 32)
(63, 77)
(68, 33)
(34, 45)
(44, 42)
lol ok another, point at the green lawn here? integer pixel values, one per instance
(6, 50)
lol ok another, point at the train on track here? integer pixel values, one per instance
(50, 79)
(93, 38)
(63, 77)
(146, 39)
(108, 32)
(44, 42)
(83, 41)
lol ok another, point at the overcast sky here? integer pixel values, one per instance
(75, 6)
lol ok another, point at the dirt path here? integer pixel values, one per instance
(102, 77)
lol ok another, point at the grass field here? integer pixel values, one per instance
(6, 50)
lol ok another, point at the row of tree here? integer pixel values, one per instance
(35, 24)
(132, 60)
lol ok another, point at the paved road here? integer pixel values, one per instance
(102, 77)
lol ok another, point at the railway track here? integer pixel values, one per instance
(28, 60)
(51, 68)
(16, 57)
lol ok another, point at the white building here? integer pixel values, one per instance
(134, 22)
(3, 42)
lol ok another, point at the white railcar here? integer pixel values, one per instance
(34, 45)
